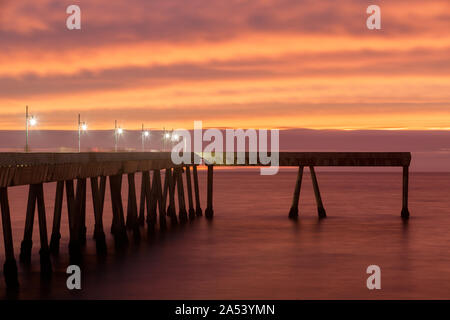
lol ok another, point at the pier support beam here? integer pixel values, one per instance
(46, 265)
(75, 207)
(189, 190)
(27, 242)
(10, 266)
(36, 196)
(293, 212)
(198, 208)
(74, 241)
(145, 200)
(141, 216)
(405, 211)
(165, 189)
(320, 209)
(182, 214)
(56, 235)
(98, 199)
(209, 213)
(148, 199)
(153, 204)
(132, 214)
(79, 216)
(82, 210)
(159, 198)
(171, 208)
(118, 227)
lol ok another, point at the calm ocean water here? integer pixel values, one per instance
(252, 251)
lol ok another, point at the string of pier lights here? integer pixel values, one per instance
(145, 134)
(31, 120)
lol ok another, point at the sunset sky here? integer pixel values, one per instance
(251, 64)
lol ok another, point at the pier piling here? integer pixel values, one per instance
(405, 210)
(320, 209)
(189, 190)
(56, 234)
(36, 196)
(159, 198)
(132, 214)
(171, 208)
(82, 211)
(165, 188)
(98, 199)
(209, 212)
(293, 212)
(46, 265)
(10, 266)
(148, 198)
(27, 242)
(182, 213)
(118, 227)
(198, 208)
(74, 245)
(152, 217)
(78, 219)
(145, 197)
(141, 218)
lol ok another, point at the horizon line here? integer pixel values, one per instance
(438, 129)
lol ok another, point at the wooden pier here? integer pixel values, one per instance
(312, 160)
(71, 171)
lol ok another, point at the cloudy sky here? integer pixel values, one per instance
(230, 63)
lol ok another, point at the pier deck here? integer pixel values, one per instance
(320, 159)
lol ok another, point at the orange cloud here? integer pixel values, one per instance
(234, 63)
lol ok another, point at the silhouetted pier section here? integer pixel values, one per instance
(71, 172)
(312, 160)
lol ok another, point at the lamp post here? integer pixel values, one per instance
(29, 121)
(117, 132)
(145, 134)
(82, 126)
